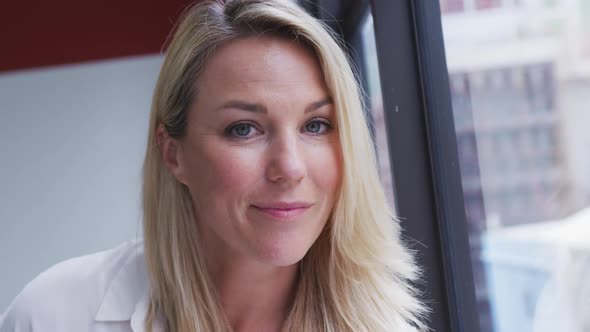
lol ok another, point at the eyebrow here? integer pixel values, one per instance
(318, 104)
(259, 108)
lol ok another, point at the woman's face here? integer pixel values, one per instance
(261, 156)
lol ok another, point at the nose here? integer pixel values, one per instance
(286, 164)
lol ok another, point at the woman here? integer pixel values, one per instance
(263, 209)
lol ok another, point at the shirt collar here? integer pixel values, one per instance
(127, 297)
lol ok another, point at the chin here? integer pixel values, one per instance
(282, 256)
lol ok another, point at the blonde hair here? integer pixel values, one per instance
(357, 275)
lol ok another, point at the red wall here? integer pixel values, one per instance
(42, 33)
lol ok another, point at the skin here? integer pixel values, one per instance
(261, 132)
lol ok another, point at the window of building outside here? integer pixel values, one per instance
(452, 6)
(488, 4)
(585, 31)
(457, 6)
(371, 71)
(519, 84)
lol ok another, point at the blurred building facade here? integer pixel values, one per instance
(519, 76)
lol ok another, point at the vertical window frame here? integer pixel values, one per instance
(429, 193)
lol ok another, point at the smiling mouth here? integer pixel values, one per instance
(282, 210)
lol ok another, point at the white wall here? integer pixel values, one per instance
(72, 140)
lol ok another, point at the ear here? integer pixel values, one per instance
(170, 151)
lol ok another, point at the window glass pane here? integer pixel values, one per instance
(451, 6)
(520, 84)
(487, 4)
(371, 71)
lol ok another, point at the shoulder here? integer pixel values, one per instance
(71, 289)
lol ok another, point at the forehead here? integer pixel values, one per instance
(262, 63)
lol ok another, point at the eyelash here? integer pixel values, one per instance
(323, 122)
(230, 130)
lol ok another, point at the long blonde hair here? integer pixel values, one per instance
(357, 275)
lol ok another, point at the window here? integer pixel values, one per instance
(371, 71)
(413, 130)
(487, 4)
(584, 11)
(531, 203)
(452, 6)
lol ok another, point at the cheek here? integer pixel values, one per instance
(217, 172)
(328, 166)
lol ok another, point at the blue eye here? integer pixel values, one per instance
(241, 130)
(317, 127)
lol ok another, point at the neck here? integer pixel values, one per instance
(255, 297)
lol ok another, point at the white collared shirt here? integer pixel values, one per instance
(104, 292)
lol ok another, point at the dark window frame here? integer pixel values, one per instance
(422, 145)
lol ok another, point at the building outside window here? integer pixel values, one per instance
(516, 68)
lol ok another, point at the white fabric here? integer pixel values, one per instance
(104, 292)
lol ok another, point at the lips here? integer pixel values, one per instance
(283, 210)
